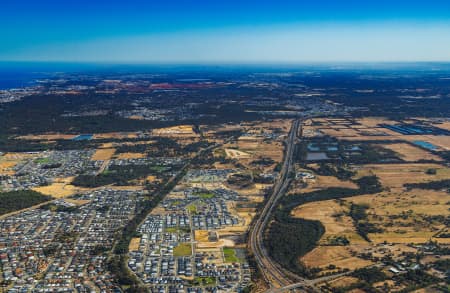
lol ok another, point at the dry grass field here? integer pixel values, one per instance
(127, 187)
(283, 124)
(403, 216)
(406, 217)
(369, 129)
(395, 175)
(103, 154)
(411, 153)
(210, 131)
(343, 282)
(444, 125)
(341, 133)
(333, 217)
(134, 244)
(47, 136)
(371, 122)
(6, 167)
(203, 241)
(77, 202)
(9, 160)
(251, 149)
(58, 189)
(323, 182)
(201, 235)
(340, 256)
(122, 156)
(179, 130)
(441, 141)
(115, 135)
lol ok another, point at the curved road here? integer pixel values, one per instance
(275, 276)
(278, 278)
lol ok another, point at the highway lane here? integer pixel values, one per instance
(278, 278)
(275, 275)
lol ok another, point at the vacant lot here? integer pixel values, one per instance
(183, 249)
(236, 154)
(58, 189)
(122, 156)
(201, 235)
(103, 154)
(6, 167)
(134, 244)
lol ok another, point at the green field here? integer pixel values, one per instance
(172, 230)
(204, 281)
(230, 255)
(158, 169)
(205, 195)
(192, 208)
(42, 161)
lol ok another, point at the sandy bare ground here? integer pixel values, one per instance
(236, 154)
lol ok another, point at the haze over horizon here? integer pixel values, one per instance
(229, 31)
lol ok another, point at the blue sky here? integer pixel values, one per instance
(224, 31)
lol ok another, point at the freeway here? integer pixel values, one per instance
(274, 275)
(278, 278)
